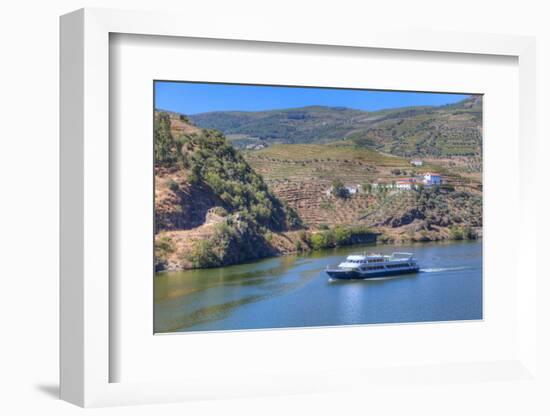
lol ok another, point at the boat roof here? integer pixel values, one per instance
(377, 256)
(365, 257)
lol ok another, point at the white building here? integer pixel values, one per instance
(416, 162)
(406, 184)
(428, 179)
(353, 189)
(431, 179)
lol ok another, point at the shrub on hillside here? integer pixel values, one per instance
(339, 190)
(323, 239)
(342, 236)
(163, 140)
(203, 255)
(457, 233)
(339, 236)
(173, 185)
(220, 211)
(163, 247)
(233, 241)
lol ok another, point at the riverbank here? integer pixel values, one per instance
(217, 244)
(184, 250)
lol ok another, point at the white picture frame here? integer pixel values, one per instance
(86, 355)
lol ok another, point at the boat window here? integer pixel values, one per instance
(375, 267)
(393, 266)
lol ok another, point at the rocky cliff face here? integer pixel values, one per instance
(180, 205)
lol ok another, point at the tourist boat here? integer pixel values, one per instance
(362, 266)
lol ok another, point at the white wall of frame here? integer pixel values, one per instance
(29, 211)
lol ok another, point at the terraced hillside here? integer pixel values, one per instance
(316, 209)
(322, 164)
(327, 162)
(302, 174)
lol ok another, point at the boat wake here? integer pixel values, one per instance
(442, 269)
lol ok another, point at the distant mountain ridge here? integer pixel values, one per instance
(423, 131)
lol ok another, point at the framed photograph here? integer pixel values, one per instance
(289, 207)
(281, 213)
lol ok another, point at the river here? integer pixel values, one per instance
(294, 291)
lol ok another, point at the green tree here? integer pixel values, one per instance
(173, 185)
(339, 190)
(457, 233)
(164, 142)
(317, 241)
(203, 255)
(342, 236)
(367, 188)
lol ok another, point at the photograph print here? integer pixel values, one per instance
(298, 207)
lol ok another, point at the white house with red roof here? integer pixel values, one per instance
(431, 179)
(427, 179)
(406, 184)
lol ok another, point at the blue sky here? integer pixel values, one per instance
(193, 98)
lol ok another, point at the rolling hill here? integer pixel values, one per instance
(444, 131)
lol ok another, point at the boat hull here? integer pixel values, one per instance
(355, 275)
